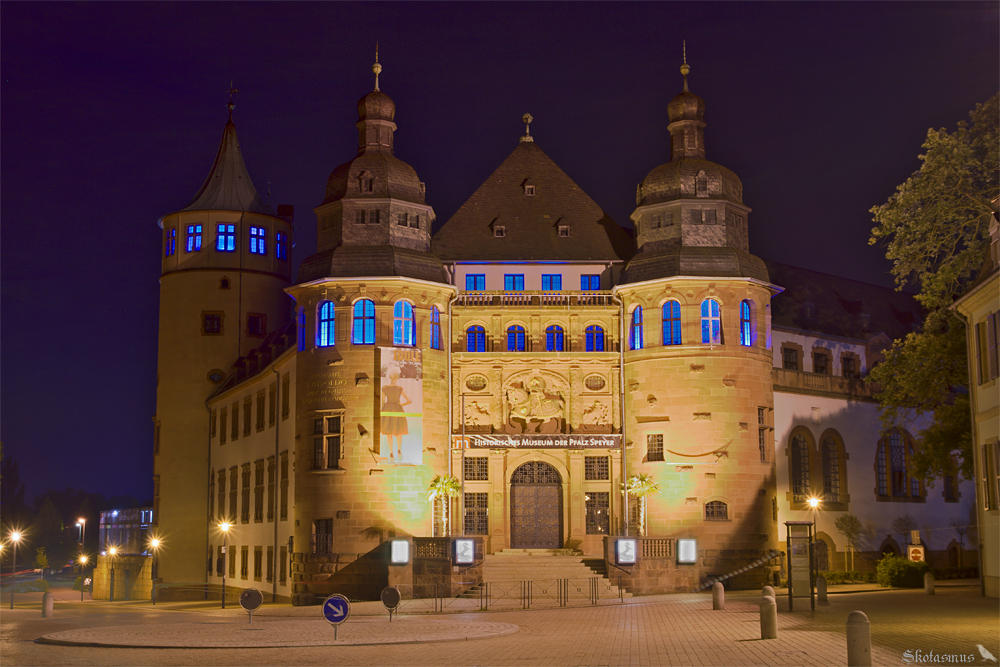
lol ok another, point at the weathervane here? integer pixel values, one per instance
(232, 91)
(376, 67)
(527, 127)
(685, 68)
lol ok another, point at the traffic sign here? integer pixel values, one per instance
(390, 597)
(336, 609)
(250, 600)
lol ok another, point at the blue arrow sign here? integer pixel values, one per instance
(336, 609)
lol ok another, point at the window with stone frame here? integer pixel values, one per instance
(476, 468)
(261, 396)
(654, 447)
(222, 426)
(893, 457)
(211, 323)
(789, 358)
(247, 414)
(283, 565)
(821, 362)
(258, 557)
(328, 438)
(800, 468)
(284, 486)
(635, 330)
(222, 516)
(271, 474)
(596, 468)
(258, 491)
(711, 322)
(831, 470)
(234, 492)
(476, 514)
(762, 430)
(245, 562)
(270, 564)
(272, 403)
(285, 396)
(435, 328)
(322, 537)
(716, 510)
(245, 494)
(598, 512)
(232, 560)
(849, 366)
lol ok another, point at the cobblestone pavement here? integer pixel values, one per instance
(660, 630)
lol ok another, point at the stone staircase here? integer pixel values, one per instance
(544, 567)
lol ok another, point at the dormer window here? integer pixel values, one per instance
(401, 221)
(366, 183)
(866, 321)
(499, 231)
(655, 221)
(564, 231)
(701, 184)
(415, 221)
(529, 190)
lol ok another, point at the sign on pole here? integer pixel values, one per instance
(390, 599)
(336, 610)
(251, 600)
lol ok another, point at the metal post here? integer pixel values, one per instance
(225, 559)
(13, 574)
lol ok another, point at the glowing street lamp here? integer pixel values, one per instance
(154, 544)
(82, 522)
(112, 551)
(224, 527)
(15, 537)
(83, 579)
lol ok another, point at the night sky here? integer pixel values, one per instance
(112, 113)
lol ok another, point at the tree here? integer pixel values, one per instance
(444, 487)
(903, 525)
(639, 486)
(935, 228)
(41, 560)
(850, 527)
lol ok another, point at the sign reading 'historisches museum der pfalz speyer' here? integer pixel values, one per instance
(546, 441)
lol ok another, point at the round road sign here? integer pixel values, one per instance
(336, 609)
(390, 597)
(251, 599)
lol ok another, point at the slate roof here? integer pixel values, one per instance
(531, 222)
(228, 186)
(838, 304)
(372, 261)
(708, 261)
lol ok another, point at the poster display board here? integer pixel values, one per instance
(401, 406)
(800, 565)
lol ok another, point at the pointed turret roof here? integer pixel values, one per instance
(228, 186)
(531, 198)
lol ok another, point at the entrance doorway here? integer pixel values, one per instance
(536, 507)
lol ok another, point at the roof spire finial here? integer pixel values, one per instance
(232, 91)
(685, 68)
(527, 127)
(376, 67)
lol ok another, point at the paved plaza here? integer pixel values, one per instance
(658, 630)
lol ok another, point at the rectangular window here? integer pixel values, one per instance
(232, 560)
(284, 488)
(271, 403)
(258, 491)
(234, 492)
(359, 217)
(283, 565)
(499, 231)
(476, 514)
(821, 363)
(171, 243)
(322, 537)
(222, 426)
(270, 564)
(849, 367)
(260, 410)
(373, 217)
(529, 190)
(513, 282)
(211, 324)
(401, 221)
(992, 334)
(590, 283)
(475, 282)
(654, 447)
(215, 420)
(193, 243)
(598, 512)
(270, 488)
(211, 497)
(596, 468)
(222, 496)
(762, 444)
(258, 565)
(414, 221)
(234, 433)
(245, 494)
(989, 453)
(247, 415)
(225, 238)
(790, 358)
(281, 246)
(285, 401)
(258, 240)
(476, 468)
(552, 282)
(245, 562)
(328, 434)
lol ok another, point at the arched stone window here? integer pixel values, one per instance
(475, 339)
(363, 332)
(595, 338)
(716, 510)
(635, 333)
(515, 338)
(554, 338)
(831, 470)
(711, 322)
(403, 326)
(800, 468)
(671, 323)
(435, 328)
(325, 325)
(892, 459)
(748, 330)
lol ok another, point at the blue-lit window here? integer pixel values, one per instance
(671, 323)
(171, 245)
(635, 332)
(281, 245)
(554, 339)
(711, 323)
(746, 323)
(301, 322)
(595, 338)
(258, 240)
(475, 339)
(403, 326)
(193, 238)
(225, 238)
(325, 326)
(364, 323)
(590, 283)
(435, 328)
(513, 282)
(475, 282)
(515, 338)
(552, 282)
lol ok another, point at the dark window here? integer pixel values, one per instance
(193, 238)
(671, 323)
(831, 471)
(595, 468)
(284, 485)
(256, 324)
(328, 435)
(475, 339)
(564, 231)
(326, 325)
(515, 338)
(635, 332)
(654, 447)
(790, 358)
(821, 363)
(245, 562)
(716, 510)
(245, 495)
(552, 282)
(475, 282)
(258, 491)
(849, 366)
(554, 339)
(529, 190)
(258, 240)
(401, 220)
(281, 245)
(800, 468)
(598, 519)
(211, 324)
(590, 283)
(762, 443)
(322, 537)
(364, 322)
(476, 468)
(499, 231)
(435, 328)
(225, 238)
(513, 282)
(476, 514)
(414, 221)
(595, 338)
(171, 244)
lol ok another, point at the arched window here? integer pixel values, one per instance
(325, 326)
(515, 338)
(711, 322)
(435, 328)
(747, 332)
(475, 339)
(671, 323)
(403, 326)
(635, 334)
(831, 471)
(800, 468)
(595, 338)
(364, 323)
(554, 339)
(716, 510)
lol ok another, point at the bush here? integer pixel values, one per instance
(971, 572)
(33, 586)
(896, 572)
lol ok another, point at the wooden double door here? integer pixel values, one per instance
(536, 507)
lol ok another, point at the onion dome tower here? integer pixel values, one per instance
(226, 259)
(697, 362)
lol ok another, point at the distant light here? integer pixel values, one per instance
(113, 551)
(81, 520)
(115, 513)
(83, 560)
(399, 554)
(687, 551)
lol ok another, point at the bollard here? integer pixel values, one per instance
(768, 618)
(821, 589)
(929, 583)
(47, 604)
(718, 596)
(767, 592)
(859, 640)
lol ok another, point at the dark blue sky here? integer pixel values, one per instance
(112, 112)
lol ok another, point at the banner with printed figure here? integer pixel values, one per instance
(401, 406)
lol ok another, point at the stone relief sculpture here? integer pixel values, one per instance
(533, 410)
(476, 415)
(595, 414)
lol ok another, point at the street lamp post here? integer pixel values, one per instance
(154, 544)
(82, 522)
(224, 527)
(112, 552)
(15, 537)
(83, 579)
